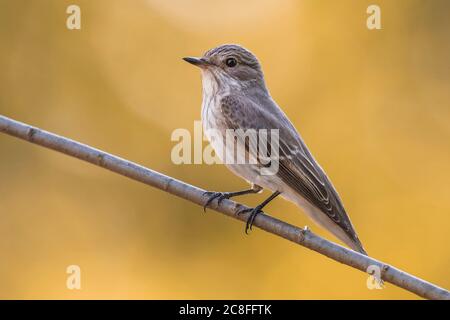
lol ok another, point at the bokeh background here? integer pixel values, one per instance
(373, 106)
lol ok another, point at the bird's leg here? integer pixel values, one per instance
(254, 211)
(227, 195)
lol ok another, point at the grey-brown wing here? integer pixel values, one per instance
(297, 167)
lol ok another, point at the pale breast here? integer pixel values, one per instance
(213, 124)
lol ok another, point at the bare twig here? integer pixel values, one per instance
(227, 207)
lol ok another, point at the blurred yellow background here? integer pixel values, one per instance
(373, 106)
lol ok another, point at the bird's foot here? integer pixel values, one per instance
(251, 218)
(212, 195)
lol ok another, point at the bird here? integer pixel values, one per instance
(235, 97)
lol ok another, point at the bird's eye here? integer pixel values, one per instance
(231, 62)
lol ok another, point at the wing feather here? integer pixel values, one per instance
(297, 167)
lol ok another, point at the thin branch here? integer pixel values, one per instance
(196, 195)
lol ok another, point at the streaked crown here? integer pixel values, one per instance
(229, 51)
(231, 65)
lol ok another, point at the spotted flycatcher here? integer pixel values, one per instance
(235, 97)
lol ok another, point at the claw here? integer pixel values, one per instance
(256, 210)
(215, 195)
(251, 219)
(243, 210)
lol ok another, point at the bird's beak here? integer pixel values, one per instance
(199, 62)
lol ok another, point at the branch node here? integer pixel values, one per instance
(101, 159)
(384, 269)
(167, 184)
(302, 234)
(31, 132)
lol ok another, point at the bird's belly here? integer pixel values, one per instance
(252, 173)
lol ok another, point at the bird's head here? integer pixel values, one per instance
(229, 66)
